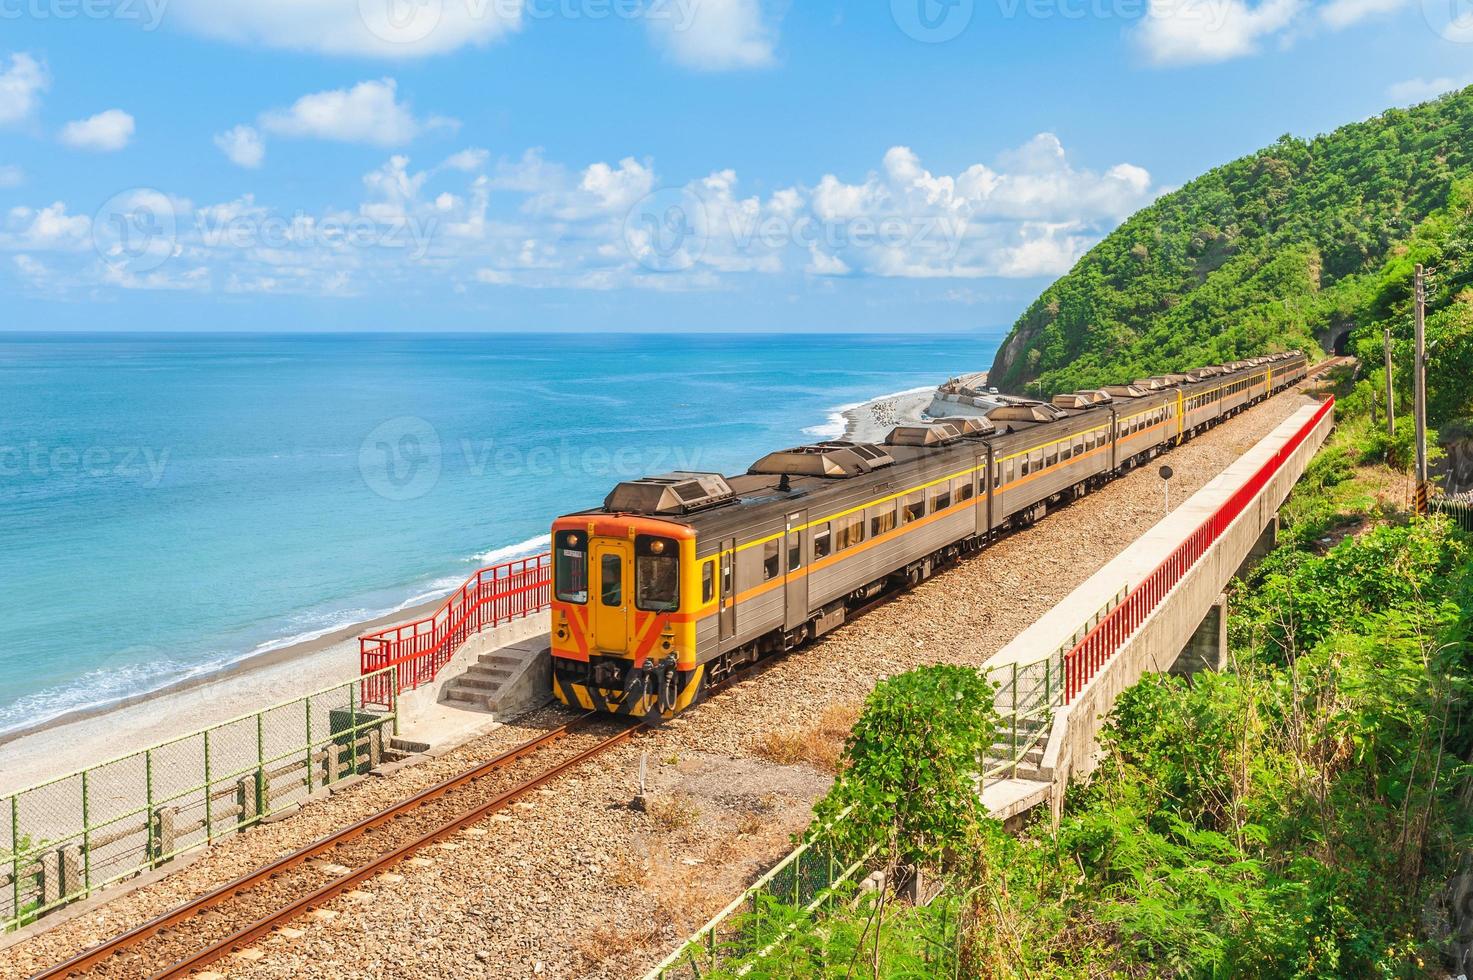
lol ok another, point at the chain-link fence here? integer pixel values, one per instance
(1027, 695)
(65, 839)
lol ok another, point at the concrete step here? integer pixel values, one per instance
(486, 684)
(482, 670)
(475, 699)
(408, 746)
(499, 659)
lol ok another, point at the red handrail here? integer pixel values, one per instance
(420, 649)
(1106, 639)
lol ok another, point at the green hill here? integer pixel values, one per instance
(1298, 243)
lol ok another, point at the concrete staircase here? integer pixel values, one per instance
(504, 682)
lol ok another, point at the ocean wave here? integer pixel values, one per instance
(525, 549)
(100, 688)
(837, 422)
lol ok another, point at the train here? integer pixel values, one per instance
(680, 580)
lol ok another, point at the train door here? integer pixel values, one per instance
(728, 589)
(797, 567)
(611, 607)
(988, 481)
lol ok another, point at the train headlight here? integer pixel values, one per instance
(657, 547)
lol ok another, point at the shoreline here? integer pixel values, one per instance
(86, 736)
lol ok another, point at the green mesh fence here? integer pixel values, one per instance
(63, 840)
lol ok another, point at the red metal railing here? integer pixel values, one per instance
(1106, 639)
(488, 598)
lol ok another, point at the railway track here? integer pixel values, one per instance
(243, 911)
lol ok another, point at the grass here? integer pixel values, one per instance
(677, 811)
(820, 745)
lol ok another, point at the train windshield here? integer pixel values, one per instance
(656, 576)
(571, 572)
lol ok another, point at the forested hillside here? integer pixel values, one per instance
(1263, 253)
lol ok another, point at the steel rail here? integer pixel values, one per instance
(332, 889)
(147, 930)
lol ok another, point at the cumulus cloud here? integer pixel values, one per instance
(470, 222)
(242, 146)
(374, 28)
(21, 85)
(1338, 14)
(1180, 32)
(106, 132)
(715, 35)
(369, 112)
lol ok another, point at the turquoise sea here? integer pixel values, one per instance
(170, 504)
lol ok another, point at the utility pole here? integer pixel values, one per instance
(1390, 398)
(1419, 368)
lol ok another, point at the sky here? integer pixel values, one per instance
(618, 165)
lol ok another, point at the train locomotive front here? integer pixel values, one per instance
(626, 598)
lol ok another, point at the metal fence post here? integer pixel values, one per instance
(261, 803)
(86, 837)
(1015, 718)
(209, 823)
(309, 744)
(15, 856)
(352, 733)
(394, 702)
(148, 799)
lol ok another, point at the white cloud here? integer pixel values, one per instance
(21, 86)
(45, 229)
(1415, 90)
(369, 112)
(1339, 14)
(375, 28)
(11, 176)
(106, 132)
(468, 223)
(1179, 32)
(715, 35)
(242, 146)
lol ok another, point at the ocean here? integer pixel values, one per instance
(172, 504)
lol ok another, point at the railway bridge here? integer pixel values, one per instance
(1156, 606)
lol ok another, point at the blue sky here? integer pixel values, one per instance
(636, 164)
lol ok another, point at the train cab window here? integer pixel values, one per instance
(914, 507)
(882, 519)
(611, 580)
(708, 582)
(771, 559)
(571, 571)
(656, 575)
(963, 489)
(823, 542)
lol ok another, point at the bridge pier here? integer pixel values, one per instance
(1207, 648)
(1266, 543)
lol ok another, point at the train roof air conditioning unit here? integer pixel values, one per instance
(1020, 410)
(935, 434)
(971, 425)
(673, 493)
(831, 460)
(1124, 391)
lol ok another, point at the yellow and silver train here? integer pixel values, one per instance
(678, 580)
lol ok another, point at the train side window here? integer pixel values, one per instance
(1010, 472)
(963, 489)
(771, 559)
(1051, 457)
(1023, 465)
(882, 519)
(708, 582)
(940, 498)
(1036, 458)
(795, 551)
(727, 561)
(849, 533)
(997, 476)
(914, 507)
(823, 543)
